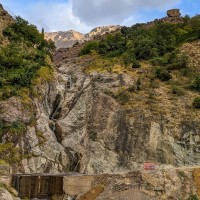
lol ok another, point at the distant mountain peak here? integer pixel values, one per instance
(65, 39)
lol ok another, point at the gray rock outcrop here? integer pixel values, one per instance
(6, 195)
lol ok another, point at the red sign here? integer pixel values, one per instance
(149, 166)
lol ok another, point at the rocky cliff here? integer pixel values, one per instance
(69, 38)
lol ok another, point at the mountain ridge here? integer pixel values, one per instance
(65, 39)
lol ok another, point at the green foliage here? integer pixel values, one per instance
(193, 197)
(89, 47)
(145, 49)
(136, 64)
(162, 74)
(157, 43)
(9, 153)
(20, 60)
(159, 61)
(16, 127)
(196, 83)
(122, 96)
(177, 61)
(177, 90)
(172, 61)
(113, 45)
(181, 174)
(10, 133)
(21, 30)
(129, 59)
(196, 102)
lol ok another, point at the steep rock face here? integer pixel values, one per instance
(41, 151)
(69, 38)
(109, 137)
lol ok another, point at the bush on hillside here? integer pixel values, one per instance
(162, 74)
(196, 83)
(89, 47)
(136, 64)
(122, 96)
(196, 102)
(177, 61)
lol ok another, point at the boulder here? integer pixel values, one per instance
(173, 13)
(5, 195)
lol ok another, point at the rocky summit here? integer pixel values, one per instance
(174, 13)
(116, 113)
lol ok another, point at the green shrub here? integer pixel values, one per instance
(89, 47)
(196, 83)
(9, 153)
(177, 90)
(132, 88)
(162, 74)
(193, 197)
(159, 61)
(145, 49)
(136, 64)
(16, 127)
(128, 58)
(7, 92)
(177, 61)
(10, 132)
(196, 102)
(122, 96)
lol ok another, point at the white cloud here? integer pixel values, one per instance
(54, 17)
(51, 15)
(83, 15)
(94, 12)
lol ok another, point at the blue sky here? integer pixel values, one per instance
(83, 15)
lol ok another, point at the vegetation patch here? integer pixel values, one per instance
(196, 83)
(177, 90)
(25, 58)
(122, 96)
(162, 74)
(196, 102)
(141, 43)
(9, 135)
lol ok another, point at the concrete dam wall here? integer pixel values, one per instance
(44, 186)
